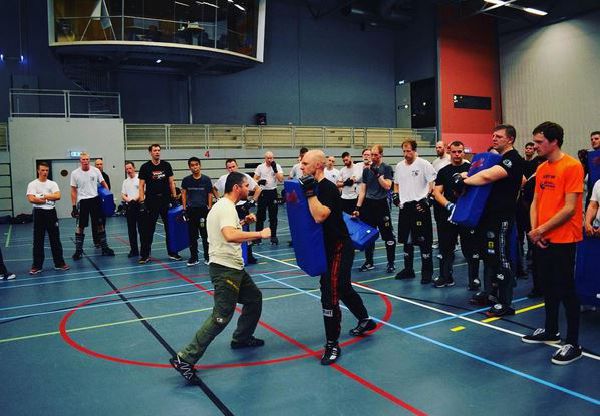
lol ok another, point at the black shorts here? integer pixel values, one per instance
(416, 224)
(91, 207)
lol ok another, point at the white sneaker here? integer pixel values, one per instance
(8, 276)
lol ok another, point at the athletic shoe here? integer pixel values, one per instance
(62, 268)
(144, 260)
(482, 299)
(133, 254)
(539, 336)
(567, 354)
(8, 276)
(366, 267)
(77, 255)
(331, 354)
(35, 270)
(390, 268)
(108, 252)
(439, 283)
(175, 256)
(249, 343)
(206, 262)
(435, 245)
(274, 241)
(475, 284)
(499, 310)
(405, 274)
(184, 368)
(363, 326)
(192, 262)
(252, 260)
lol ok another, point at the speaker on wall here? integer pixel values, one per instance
(261, 119)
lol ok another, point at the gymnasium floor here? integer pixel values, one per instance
(95, 340)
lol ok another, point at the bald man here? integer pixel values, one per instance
(267, 175)
(325, 206)
(442, 158)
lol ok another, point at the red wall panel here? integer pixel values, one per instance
(468, 65)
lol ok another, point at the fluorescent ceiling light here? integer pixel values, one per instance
(239, 7)
(535, 11)
(181, 4)
(158, 61)
(207, 4)
(500, 2)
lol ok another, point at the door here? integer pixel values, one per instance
(403, 119)
(61, 174)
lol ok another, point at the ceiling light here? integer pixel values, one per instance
(239, 7)
(535, 11)
(158, 61)
(500, 2)
(207, 4)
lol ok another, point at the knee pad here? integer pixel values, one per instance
(390, 243)
(425, 256)
(328, 313)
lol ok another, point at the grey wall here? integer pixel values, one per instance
(552, 74)
(32, 139)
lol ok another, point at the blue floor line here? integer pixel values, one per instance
(477, 357)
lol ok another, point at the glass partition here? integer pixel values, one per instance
(229, 25)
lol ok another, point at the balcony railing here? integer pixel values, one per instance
(64, 103)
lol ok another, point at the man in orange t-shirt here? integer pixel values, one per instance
(556, 223)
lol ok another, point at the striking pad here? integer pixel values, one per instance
(108, 201)
(307, 235)
(177, 230)
(470, 206)
(361, 234)
(587, 279)
(593, 163)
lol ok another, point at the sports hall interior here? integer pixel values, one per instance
(221, 79)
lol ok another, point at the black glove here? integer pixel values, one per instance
(308, 184)
(262, 182)
(349, 182)
(396, 199)
(251, 203)
(375, 170)
(459, 183)
(75, 212)
(274, 166)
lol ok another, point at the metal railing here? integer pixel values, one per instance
(64, 103)
(177, 136)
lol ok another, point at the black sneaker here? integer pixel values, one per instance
(390, 268)
(363, 326)
(425, 280)
(539, 336)
(274, 241)
(405, 274)
(439, 283)
(252, 260)
(249, 343)
(475, 285)
(499, 310)
(366, 267)
(144, 260)
(108, 252)
(184, 368)
(192, 261)
(480, 299)
(175, 257)
(567, 354)
(77, 255)
(331, 354)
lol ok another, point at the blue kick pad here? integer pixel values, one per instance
(361, 234)
(587, 278)
(245, 246)
(593, 163)
(108, 201)
(307, 235)
(178, 230)
(470, 206)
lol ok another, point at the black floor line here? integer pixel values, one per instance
(209, 393)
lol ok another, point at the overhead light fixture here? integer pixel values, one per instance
(239, 7)
(1, 57)
(535, 11)
(182, 4)
(158, 61)
(207, 4)
(512, 5)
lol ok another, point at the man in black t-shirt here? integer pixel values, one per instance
(157, 189)
(497, 220)
(196, 197)
(446, 194)
(325, 206)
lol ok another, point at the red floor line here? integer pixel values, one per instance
(308, 350)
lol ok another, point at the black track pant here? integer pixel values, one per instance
(197, 224)
(556, 265)
(155, 208)
(376, 213)
(336, 285)
(134, 225)
(45, 220)
(448, 234)
(266, 201)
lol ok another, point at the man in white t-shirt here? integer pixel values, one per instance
(130, 194)
(232, 284)
(43, 194)
(331, 173)
(443, 158)
(87, 203)
(350, 178)
(592, 214)
(413, 182)
(243, 206)
(296, 172)
(267, 175)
